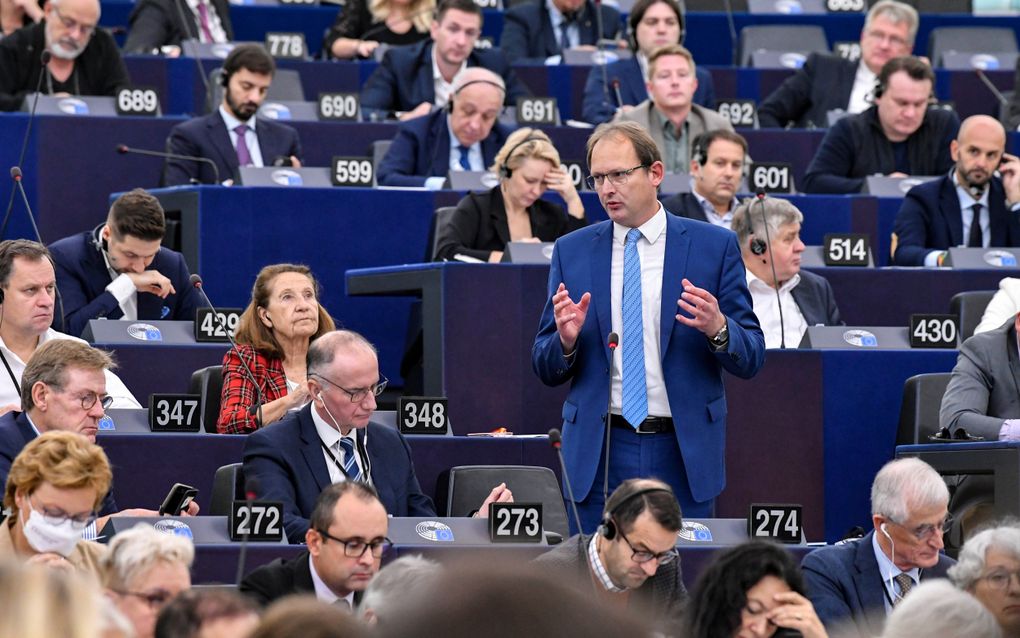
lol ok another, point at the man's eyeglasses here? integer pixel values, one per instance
(355, 547)
(71, 24)
(643, 556)
(617, 178)
(926, 531)
(358, 395)
(156, 600)
(89, 399)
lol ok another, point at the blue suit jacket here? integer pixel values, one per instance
(421, 149)
(930, 219)
(816, 300)
(805, 98)
(82, 279)
(287, 460)
(600, 104)
(15, 433)
(403, 79)
(207, 136)
(844, 583)
(710, 258)
(528, 34)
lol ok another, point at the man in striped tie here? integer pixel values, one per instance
(674, 293)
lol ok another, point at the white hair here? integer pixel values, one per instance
(895, 12)
(971, 562)
(390, 588)
(936, 608)
(906, 484)
(135, 551)
(778, 212)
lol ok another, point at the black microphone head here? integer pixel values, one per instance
(614, 340)
(16, 172)
(45, 57)
(760, 193)
(195, 280)
(251, 488)
(122, 149)
(554, 437)
(616, 83)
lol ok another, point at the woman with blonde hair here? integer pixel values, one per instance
(363, 25)
(36, 602)
(528, 165)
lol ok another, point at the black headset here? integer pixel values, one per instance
(758, 246)
(504, 169)
(699, 150)
(607, 526)
(449, 102)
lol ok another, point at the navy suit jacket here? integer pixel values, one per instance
(82, 279)
(685, 205)
(403, 79)
(154, 23)
(710, 258)
(816, 300)
(528, 34)
(15, 433)
(930, 219)
(421, 150)
(600, 104)
(805, 98)
(844, 583)
(287, 460)
(207, 136)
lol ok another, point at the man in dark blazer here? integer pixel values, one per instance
(940, 213)
(983, 396)
(900, 135)
(774, 275)
(119, 270)
(332, 439)
(631, 554)
(345, 542)
(717, 167)
(157, 23)
(233, 135)
(860, 581)
(533, 32)
(411, 80)
(466, 135)
(832, 83)
(671, 421)
(653, 23)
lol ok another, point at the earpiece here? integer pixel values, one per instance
(504, 169)
(758, 246)
(883, 530)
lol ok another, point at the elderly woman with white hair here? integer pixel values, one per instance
(143, 571)
(989, 568)
(936, 608)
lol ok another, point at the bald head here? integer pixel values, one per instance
(477, 101)
(977, 151)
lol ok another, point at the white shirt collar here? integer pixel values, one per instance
(963, 193)
(327, 433)
(888, 569)
(651, 229)
(232, 122)
(437, 76)
(322, 590)
(714, 217)
(761, 284)
(599, 569)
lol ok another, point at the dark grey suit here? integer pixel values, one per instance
(985, 387)
(816, 300)
(662, 596)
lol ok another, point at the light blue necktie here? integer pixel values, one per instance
(350, 463)
(635, 394)
(465, 161)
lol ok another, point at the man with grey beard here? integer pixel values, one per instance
(83, 59)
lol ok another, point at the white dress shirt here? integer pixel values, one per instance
(322, 590)
(863, 93)
(573, 32)
(967, 202)
(651, 248)
(331, 437)
(713, 217)
(249, 136)
(443, 89)
(219, 34)
(474, 152)
(889, 572)
(763, 296)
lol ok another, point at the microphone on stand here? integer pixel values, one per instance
(124, 149)
(44, 59)
(556, 441)
(616, 90)
(760, 194)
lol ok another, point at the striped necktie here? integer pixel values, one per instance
(350, 460)
(635, 394)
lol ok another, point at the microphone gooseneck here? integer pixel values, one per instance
(772, 262)
(556, 441)
(611, 342)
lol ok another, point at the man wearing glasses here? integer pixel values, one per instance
(861, 581)
(632, 559)
(346, 542)
(84, 59)
(332, 440)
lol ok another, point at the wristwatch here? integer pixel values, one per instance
(721, 338)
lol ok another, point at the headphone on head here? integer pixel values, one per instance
(449, 102)
(699, 150)
(504, 169)
(607, 526)
(758, 246)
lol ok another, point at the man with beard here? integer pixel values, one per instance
(83, 59)
(941, 213)
(233, 136)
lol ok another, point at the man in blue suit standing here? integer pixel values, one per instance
(940, 214)
(787, 300)
(652, 24)
(233, 135)
(333, 439)
(674, 291)
(412, 80)
(859, 582)
(463, 136)
(118, 270)
(539, 32)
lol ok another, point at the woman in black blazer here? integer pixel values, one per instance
(527, 165)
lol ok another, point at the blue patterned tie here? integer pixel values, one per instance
(635, 394)
(350, 464)
(465, 161)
